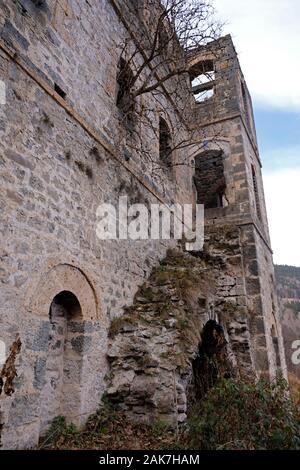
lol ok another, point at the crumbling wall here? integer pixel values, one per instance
(153, 347)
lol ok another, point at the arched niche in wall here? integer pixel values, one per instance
(61, 394)
(68, 278)
(71, 364)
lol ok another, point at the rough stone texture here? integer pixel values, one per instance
(153, 346)
(55, 173)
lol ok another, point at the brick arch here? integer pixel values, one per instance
(201, 59)
(64, 277)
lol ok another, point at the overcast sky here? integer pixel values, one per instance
(266, 34)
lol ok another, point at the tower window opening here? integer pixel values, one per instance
(276, 346)
(209, 179)
(202, 77)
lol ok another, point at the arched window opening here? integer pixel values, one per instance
(163, 38)
(209, 179)
(256, 192)
(60, 394)
(202, 76)
(165, 143)
(124, 99)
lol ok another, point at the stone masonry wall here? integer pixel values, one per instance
(63, 47)
(54, 174)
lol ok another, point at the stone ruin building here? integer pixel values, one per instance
(135, 320)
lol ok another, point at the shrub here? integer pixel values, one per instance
(237, 415)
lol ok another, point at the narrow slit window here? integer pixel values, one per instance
(245, 102)
(60, 91)
(256, 193)
(124, 81)
(165, 143)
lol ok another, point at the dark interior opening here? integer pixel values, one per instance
(276, 346)
(60, 91)
(63, 362)
(68, 303)
(124, 81)
(165, 142)
(211, 362)
(209, 179)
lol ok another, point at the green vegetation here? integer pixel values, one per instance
(233, 415)
(237, 415)
(58, 431)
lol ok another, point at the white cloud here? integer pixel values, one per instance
(266, 34)
(282, 190)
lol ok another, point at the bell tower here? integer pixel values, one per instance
(228, 181)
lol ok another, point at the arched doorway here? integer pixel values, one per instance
(61, 392)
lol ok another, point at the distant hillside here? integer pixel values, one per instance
(288, 287)
(288, 283)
